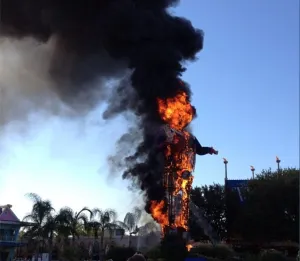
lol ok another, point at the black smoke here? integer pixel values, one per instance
(103, 38)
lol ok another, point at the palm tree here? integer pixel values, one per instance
(49, 229)
(102, 220)
(131, 224)
(42, 217)
(131, 221)
(148, 230)
(71, 223)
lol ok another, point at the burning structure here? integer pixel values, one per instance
(98, 41)
(178, 149)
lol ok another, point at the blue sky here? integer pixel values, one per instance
(246, 91)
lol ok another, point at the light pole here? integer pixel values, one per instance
(252, 169)
(225, 163)
(278, 164)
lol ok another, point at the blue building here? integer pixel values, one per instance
(9, 230)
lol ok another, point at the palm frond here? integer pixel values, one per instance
(148, 228)
(34, 197)
(82, 210)
(137, 213)
(97, 212)
(28, 217)
(122, 225)
(110, 214)
(130, 221)
(82, 219)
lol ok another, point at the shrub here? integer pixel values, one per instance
(120, 253)
(69, 253)
(272, 255)
(251, 258)
(219, 251)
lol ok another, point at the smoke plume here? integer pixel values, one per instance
(100, 40)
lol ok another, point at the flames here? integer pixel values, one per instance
(176, 112)
(158, 214)
(189, 247)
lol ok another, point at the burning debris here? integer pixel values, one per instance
(102, 40)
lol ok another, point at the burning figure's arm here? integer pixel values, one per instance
(204, 150)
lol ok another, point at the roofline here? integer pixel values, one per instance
(8, 207)
(20, 223)
(27, 224)
(10, 222)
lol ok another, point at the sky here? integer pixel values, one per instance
(245, 87)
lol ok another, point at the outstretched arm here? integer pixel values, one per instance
(204, 150)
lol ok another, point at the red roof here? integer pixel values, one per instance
(8, 215)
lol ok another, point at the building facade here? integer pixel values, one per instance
(9, 230)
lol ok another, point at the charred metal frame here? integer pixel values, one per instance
(169, 178)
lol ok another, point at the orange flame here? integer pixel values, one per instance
(158, 214)
(177, 112)
(189, 247)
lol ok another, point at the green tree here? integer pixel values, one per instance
(271, 212)
(132, 225)
(72, 223)
(131, 221)
(211, 199)
(102, 220)
(42, 216)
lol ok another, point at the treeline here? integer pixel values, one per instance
(268, 211)
(59, 231)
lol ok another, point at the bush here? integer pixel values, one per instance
(120, 253)
(272, 255)
(252, 258)
(69, 253)
(221, 251)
